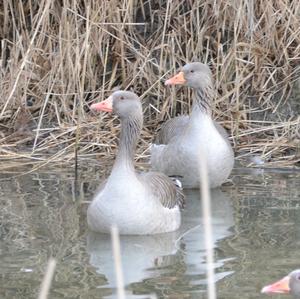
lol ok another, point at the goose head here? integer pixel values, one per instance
(288, 284)
(195, 75)
(125, 104)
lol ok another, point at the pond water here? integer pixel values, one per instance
(256, 233)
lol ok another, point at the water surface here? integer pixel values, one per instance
(256, 226)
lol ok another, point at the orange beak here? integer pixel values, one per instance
(281, 286)
(105, 105)
(177, 79)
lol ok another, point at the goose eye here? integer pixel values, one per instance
(121, 98)
(191, 71)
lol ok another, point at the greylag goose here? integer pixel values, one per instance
(182, 139)
(138, 203)
(288, 284)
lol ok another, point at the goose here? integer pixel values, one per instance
(137, 203)
(288, 284)
(182, 139)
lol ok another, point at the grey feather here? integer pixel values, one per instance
(162, 187)
(174, 127)
(222, 132)
(171, 128)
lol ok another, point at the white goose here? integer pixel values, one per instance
(182, 139)
(138, 203)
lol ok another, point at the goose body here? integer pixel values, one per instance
(138, 203)
(183, 139)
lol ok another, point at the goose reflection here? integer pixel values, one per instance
(177, 254)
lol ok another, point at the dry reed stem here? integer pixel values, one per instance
(46, 283)
(55, 62)
(118, 262)
(26, 56)
(205, 200)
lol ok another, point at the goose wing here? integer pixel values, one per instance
(171, 128)
(222, 132)
(164, 188)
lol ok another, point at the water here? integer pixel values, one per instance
(256, 225)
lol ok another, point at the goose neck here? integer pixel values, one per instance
(130, 132)
(202, 101)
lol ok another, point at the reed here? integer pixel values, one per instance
(47, 280)
(58, 57)
(207, 225)
(116, 249)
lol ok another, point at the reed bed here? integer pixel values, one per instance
(58, 57)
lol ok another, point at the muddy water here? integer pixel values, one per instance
(256, 233)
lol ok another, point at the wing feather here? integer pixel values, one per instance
(162, 187)
(171, 128)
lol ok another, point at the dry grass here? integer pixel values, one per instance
(57, 57)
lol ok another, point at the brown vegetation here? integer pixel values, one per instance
(57, 57)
